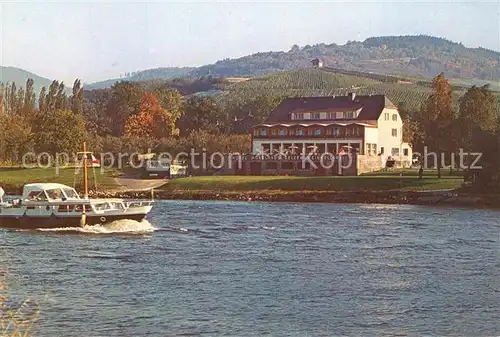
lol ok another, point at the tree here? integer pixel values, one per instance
(124, 101)
(29, 99)
(55, 98)
(60, 131)
(95, 111)
(171, 100)
(478, 109)
(15, 138)
(201, 113)
(42, 100)
(437, 118)
(151, 120)
(76, 99)
(478, 127)
(2, 109)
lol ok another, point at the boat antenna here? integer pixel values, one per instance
(85, 173)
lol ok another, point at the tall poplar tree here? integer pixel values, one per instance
(77, 98)
(437, 118)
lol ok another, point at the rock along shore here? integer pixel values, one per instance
(366, 197)
(431, 198)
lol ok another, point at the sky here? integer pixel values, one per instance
(95, 40)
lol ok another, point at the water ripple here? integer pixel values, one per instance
(263, 269)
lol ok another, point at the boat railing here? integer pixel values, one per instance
(138, 203)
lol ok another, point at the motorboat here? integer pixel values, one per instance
(53, 205)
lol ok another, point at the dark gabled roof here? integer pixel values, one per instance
(371, 106)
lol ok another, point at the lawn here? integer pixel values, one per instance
(15, 178)
(292, 184)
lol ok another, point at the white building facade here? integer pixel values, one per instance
(368, 125)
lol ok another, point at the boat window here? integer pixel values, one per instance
(37, 196)
(55, 194)
(71, 193)
(102, 207)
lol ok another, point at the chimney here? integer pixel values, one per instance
(351, 96)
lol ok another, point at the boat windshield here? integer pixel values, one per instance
(71, 193)
(55, 194)
(37, 196)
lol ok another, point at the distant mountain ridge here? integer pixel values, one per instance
(145, 75)
(412, 55)
(20, 76)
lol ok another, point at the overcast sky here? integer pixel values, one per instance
(100, 40)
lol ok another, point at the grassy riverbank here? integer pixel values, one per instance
(13, 179)
(377, 187)
(271, 184)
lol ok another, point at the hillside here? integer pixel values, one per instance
(145, 75)
(417, 56)
(406, 94)
(422, 56)
(20, 76)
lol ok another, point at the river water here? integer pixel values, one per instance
(263, 269)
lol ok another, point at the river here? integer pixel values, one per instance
(262, 269)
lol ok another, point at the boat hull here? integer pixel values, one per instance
(33, 222)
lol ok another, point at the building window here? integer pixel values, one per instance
(371, 149)
(394, 132)
(298, 116)
(381, 150)
(299, 132)
(336, 132)
(355, 131)
(395, 151)
(405, 152)
(349, 114)
(317, 132)
(274, 132)
(263, 132)
(395, 117)
(386, 116)
(315, 115)
(282, 132)
(332, 115)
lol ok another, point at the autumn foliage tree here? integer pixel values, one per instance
(151, 120)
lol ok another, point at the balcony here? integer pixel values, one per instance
(306, 136)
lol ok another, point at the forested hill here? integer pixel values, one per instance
(421, 56)
(407, 55)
